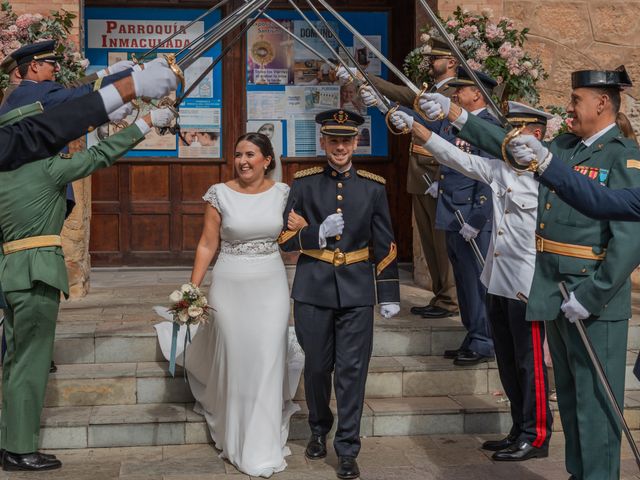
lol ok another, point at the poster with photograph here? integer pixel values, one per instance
(273, 130)
(301, 136)
(204, 90)
(308, 68)
(200, 133)
(261, 104)
(269, 53)
(365, 57)
(350, 99)
(307, 100)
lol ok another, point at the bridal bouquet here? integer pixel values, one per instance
(190, 307)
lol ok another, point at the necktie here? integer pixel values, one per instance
(578, 148)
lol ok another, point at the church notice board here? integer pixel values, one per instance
(113, 34)
(287, 85)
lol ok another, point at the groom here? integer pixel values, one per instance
(336, 282)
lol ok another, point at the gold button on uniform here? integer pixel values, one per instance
(500, 232)
(506, 210)
(584, 270)
(339, 197)
(509, 190)
(339, 184)
(496, 254)
(338, 237)
(334, 174)
(547, 206)
(541, 226)
(441, 177)
(338, 210)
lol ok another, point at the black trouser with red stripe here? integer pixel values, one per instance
(518, 346)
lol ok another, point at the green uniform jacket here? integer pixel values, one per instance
(602, 287)
(32, 203)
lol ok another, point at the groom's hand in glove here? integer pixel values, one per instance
(389, 309)
(330, 227)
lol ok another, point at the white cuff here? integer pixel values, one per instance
(136, 68)
(102, 73)
(111, 98)
(542, 166)
(143, 126)
(461, 120)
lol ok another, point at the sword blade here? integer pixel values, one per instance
(396, 71)
(593, 356)
(463, 61)
(301, 41)
(362, 71)
(183, 29)
(472, 242)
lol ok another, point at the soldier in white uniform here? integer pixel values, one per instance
(508, 275)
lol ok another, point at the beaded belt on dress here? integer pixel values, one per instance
(249, 249)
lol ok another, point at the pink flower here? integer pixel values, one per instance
(553, 127)
(424, 38)
(452, 24)
(474, 65)
(534, 73)
(493, 32)
(467, 31)
(482, 53)
(24, 21)
(505, 50)
(513, 65)
(469, 20)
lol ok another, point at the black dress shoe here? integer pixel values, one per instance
(497, 445)
(347, 467)
(521, 451)
(316, 447)
(12, 462)
(470, 358)
(437, 312)
(53, 368)
(45, 455)
(421, 310)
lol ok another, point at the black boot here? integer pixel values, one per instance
(316, 447)
(28, 461)
(347, 468)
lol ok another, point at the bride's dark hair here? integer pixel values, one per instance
(261, 141)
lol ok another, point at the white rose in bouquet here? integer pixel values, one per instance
(175, 296)
(183, 316)
(186, 288)
(195, 312)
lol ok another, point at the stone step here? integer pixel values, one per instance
(94, 384)
(176, 423)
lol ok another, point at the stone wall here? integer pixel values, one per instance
(75, 234)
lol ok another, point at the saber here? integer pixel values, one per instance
(397, 72)
(302, 42)
(472, 242)
(182, 30)
(387, 105)
(602, 376)
(176, 105)
(463, 61)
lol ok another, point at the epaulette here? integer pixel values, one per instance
(66, 156)
(308, 171)
(371, 176)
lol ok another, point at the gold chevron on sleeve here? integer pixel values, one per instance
(386, 261)
(286, 235)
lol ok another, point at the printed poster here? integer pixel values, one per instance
(308, 68)
(269, 53)
(273, 130)
(199, 133)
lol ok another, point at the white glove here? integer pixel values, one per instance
(574, 310)
(468, 232)
(121, 113)
(432, 190)
(332, 225)
(369, 97)
(401, 121)
(389, 309)
(162, 117)
(157, 80)
(527, 148)
(344, 76)
(434, 105)
(120, 66)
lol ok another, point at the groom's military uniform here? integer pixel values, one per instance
(335, 287)
(33, 273)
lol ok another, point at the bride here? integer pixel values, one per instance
(237, 363)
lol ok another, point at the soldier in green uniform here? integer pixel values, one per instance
(594, 258)
(33, 273)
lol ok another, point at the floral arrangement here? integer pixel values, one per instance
(17, 30)
(493, 46)
(559, 124)
(190, 306)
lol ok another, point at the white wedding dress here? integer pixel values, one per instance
(244, 365)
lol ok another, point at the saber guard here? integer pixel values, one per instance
(418, 110)
(532, 167)
(390, 126)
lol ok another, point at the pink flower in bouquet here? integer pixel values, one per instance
(467, 31)
(553, 127)
(494, 32)
(513, 65)
(452, 24)
(534, 73)
(482, 53)
(25, 20)
(425, 37)
(474, 65)
(469, 20)
(569, 122)
(11, 46)
(505, 50)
